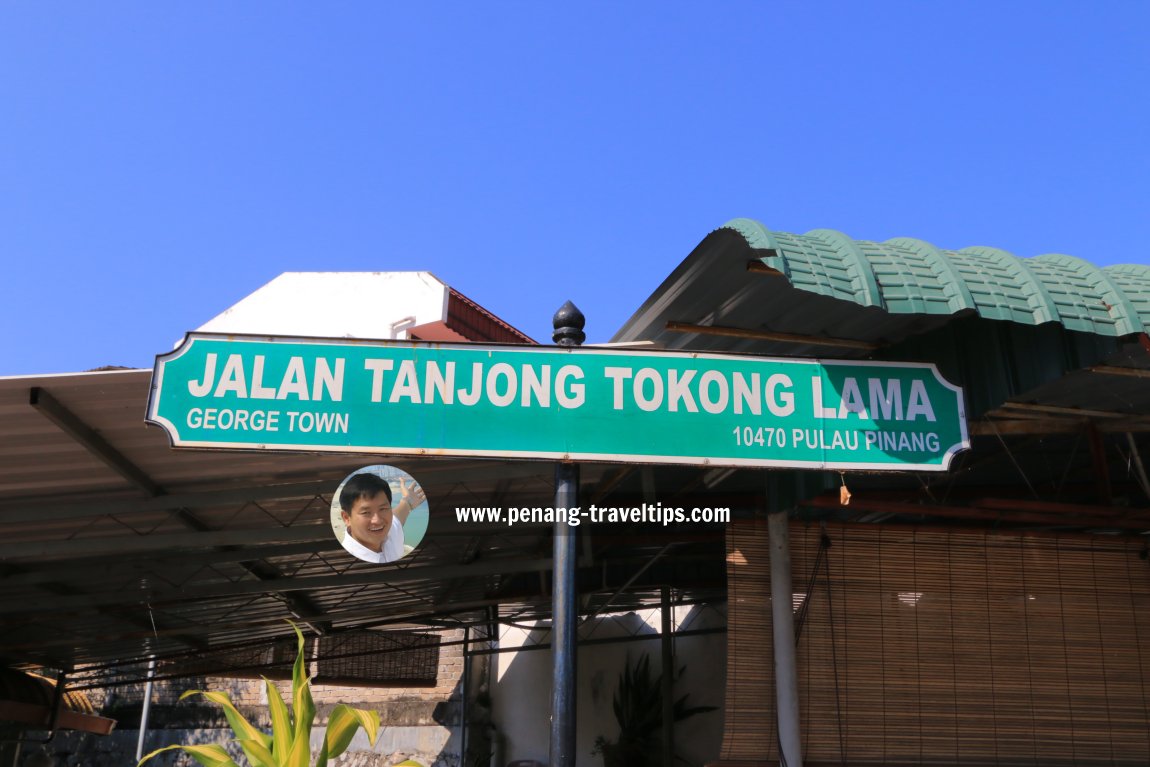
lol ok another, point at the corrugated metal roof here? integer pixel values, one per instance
(115, 547)
(910, 276)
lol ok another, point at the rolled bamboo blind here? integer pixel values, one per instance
(947, 647)
(750, 696)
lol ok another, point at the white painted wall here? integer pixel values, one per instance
(522, 694)
(376, 305)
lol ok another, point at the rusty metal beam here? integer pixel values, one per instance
(1114, 370)
(1075, 412)
(765, 335)
(758, 267)
(1023, 504)
(1036, 426)
(971, 513)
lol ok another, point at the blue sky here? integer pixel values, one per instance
(159, 161)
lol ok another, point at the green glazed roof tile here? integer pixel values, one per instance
(1134, 281)
(909, 276)
(863, 283)
(943, 271)
(1005, 286)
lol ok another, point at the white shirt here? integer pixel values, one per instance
(392, 545)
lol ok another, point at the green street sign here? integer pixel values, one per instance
(414, 398)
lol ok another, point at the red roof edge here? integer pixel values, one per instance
(471, 320)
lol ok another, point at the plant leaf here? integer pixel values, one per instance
(209, 756)
(244, 730)
(342, 725)
(258, 754)
(682, 711)
(300, 754)
(282, 729)
(302, 705)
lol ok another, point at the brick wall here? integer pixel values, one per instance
(417, 722)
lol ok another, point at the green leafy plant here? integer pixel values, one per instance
(638, 707)
(289, 744)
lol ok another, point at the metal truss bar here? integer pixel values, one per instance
(168, 542)
(75, 427)
(95, 568)
(370, 577)
(32, 511)
(638, 574)
(603, 640)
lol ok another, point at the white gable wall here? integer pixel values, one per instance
(375, 305)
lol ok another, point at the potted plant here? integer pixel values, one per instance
(638, 708)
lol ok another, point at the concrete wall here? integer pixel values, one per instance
(429, 745)
(522, 694)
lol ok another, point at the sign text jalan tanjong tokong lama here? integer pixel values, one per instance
(410, 398)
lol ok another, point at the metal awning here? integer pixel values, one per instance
(1051, 351)
(746, 288)
(115, 547)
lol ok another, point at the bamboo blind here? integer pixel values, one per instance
(948, 647)
(750, 697)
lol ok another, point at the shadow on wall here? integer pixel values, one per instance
(522, 693)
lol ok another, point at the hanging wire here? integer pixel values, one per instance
(825, 544)
(821, 560)
(1010, 455)
(986, 555)
(1070, 461)
(1139, 468)
(801, 616)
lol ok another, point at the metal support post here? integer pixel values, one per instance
(146, 709)
(465, 692)
(668, 653)
(783, 623)
(568, 323)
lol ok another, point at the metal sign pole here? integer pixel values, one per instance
(568, 323)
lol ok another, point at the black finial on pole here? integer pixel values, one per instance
(568, 323)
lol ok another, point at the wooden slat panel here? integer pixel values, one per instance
(748, 732)
(935, 646)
